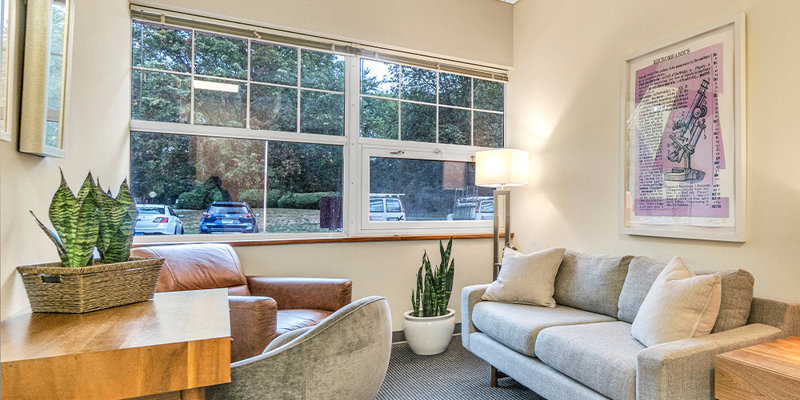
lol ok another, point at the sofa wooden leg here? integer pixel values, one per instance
(496, 373)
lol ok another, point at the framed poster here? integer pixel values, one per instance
(683, 136)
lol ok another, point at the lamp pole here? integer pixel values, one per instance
(496, 250)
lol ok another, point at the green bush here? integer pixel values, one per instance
(273, 196)
(198, 198)
(253, 197)
(306, 201)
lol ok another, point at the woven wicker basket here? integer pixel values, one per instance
(53, 288)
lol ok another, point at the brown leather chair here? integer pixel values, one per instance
(261, 308)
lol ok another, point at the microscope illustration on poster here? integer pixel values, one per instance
(677, 136)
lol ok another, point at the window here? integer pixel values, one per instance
(246, 135)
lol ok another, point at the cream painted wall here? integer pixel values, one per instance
(98, 134)
(380, 268)
(478, 30)
(563, 106)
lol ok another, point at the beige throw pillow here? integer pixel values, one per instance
(679, 305)
(526, 278)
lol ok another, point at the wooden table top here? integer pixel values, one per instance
(170, 317)
(178, 343)
(780, 356)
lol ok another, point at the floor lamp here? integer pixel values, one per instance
(499, 169)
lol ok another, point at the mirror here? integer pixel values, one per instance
(44, 82)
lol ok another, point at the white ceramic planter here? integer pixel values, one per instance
(429, 335)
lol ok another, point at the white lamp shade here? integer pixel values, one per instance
(502, 167)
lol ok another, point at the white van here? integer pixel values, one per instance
(386, 207)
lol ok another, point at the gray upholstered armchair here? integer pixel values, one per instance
(345, 356)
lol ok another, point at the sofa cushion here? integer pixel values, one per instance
(642, 272)
(601, 356)
(737, 295)
(291, 319)
(680, 305)
(591, 283)
(517, 325)
(526, 278)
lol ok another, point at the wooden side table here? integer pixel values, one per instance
(764, 371)
(178, 343)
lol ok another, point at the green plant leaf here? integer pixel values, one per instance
(62, 252)
(104, 204)
(83, 220)
(61, 208)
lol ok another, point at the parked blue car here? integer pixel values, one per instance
(228, 217)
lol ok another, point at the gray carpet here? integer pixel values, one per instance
(455, 374)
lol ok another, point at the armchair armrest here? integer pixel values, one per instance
(684, 369)
(309, 293)
(253, 325)
(470, 296)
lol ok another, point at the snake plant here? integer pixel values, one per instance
(91, 219)
(434, 286)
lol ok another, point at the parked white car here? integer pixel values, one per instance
(157, 219)
(386, 207)
(478, 208)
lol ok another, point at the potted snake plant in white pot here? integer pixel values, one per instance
(429, 325)
(90, 220)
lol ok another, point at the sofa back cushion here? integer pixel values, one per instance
(737, 296)
(591, 283)
(737, 292)
(642, 272)
(197, 266)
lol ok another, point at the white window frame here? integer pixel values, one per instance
(356, 154)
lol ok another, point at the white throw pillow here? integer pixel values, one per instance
(679, 305)
(526, 278)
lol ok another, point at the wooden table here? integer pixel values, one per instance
(178, 343)
(764, 371)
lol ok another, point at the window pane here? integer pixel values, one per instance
(321, 113)
(225, 179)
(221, 56)
(219, 102)
(322, 71)
(488, 95)
(488, 129)
(379, 78)
(300, 176)
(273, 108)
(375, 206)
(159, 96)
(418, 122)
(454, 126)
(378, 118)
(419, 84)
(454, 90)
(424, 190)
(161, 47)
(273, 64)
(196, 174)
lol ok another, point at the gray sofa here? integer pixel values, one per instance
(583, 348)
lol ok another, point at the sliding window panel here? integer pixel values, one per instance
(427, 190)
